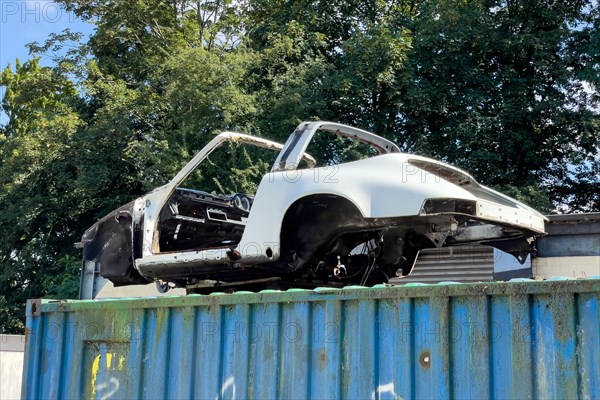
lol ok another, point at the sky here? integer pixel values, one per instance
(27, 21)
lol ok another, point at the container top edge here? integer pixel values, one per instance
(378, 292)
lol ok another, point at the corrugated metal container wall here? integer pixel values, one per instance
(459, 264)
(502, 340)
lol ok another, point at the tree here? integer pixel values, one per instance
(328, 60)
(491, 88)
(36, 168)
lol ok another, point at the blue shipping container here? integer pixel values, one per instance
(529, 339)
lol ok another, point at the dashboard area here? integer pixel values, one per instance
(197, 220)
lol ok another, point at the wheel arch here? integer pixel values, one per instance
(310, 222)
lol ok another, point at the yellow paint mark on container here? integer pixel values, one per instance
(95, 370)
(108, 366)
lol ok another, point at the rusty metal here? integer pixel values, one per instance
(526, 339)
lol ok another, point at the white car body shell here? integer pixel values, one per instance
(392, 184)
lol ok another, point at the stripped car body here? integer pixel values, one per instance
(360, 222)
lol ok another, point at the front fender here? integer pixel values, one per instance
(109, 243)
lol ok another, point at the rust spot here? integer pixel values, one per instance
(322, 360)
(234, 255)
(36, 307)
(425, 359)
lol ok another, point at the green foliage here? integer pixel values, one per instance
(202, 94)
(232, 168)
(494, 87)
(507, 90)
(10, 312)
(39, 214)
